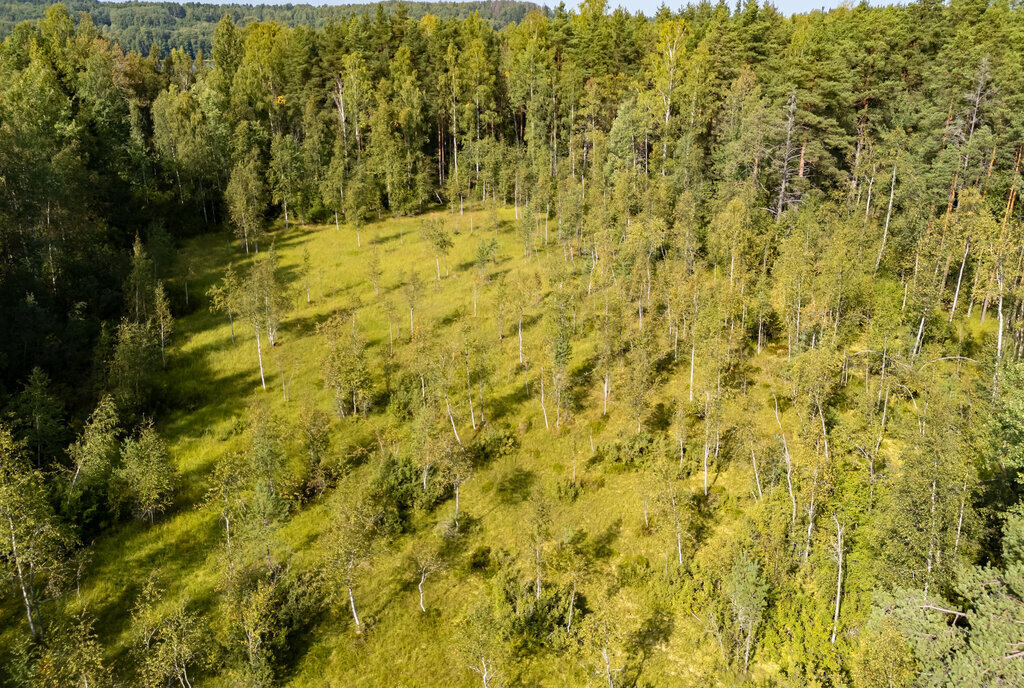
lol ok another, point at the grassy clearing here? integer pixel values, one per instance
(211, 381)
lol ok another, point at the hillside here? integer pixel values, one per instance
(140, 25)
(217, 383)
(588, 350)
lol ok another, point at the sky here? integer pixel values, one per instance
(648, 7)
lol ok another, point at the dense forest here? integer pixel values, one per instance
(587, 349)
(141, 25)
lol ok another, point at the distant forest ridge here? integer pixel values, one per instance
(141, 25)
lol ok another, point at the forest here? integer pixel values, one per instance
(140, 25)
(396, 347)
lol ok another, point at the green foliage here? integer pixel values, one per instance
(393, 493)
(36, 543)
(1009, 419)
(40, 412)
(169, 644)
(748, 597)
(316, 439)
(72, 655)
(133, 365)
(769, 284)
(345, 368)
(94, 452)
(245, 197)
(145, 479)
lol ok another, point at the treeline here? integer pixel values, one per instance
(140, 26)
(809, 227)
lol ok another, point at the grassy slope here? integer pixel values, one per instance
(404, 647)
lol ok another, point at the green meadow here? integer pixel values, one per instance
(214, 381)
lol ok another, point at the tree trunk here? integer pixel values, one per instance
(839, 580)
(607, 667)
(707, 444)
(787, 155)
(259, 355)
(959, 279)
(572, 605)
(21, 579)
(693, 355)
(423, 578)
(542, 407)
(679, 532)
(789, 467)
(888, 215)
(520, 337)
(757, 479)
(824, 434)
(452, 419)
(352, 604)
(999, 338)
(469, 395)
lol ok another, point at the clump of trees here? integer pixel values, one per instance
(768, 303)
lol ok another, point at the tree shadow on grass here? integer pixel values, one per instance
(452, 317)
(515, 485)
(294, 329)
(381, 238)
(580, 381)
(174, 549)
(499, 407)
(660, 418)
(655, 630)
(601, 543)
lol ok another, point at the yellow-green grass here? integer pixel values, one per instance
(216, 380)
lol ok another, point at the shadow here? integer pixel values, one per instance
(150, 550)
(515, 486)
(500, 406)
(665, 365)
(302, 610)
(529, 320)
(456, 541)
(601, 544)
(380, 239)
(580, 380)
(654, 631)
(452, 317)
(295, 328)
(660, 418)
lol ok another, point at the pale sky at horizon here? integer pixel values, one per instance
(648, 7)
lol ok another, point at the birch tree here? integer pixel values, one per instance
(35, 544)
(348, 543)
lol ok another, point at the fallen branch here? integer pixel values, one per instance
(942, 609)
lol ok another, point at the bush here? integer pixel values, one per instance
(635, 450)
(496, 443)
(394, 492)
(480, 559)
